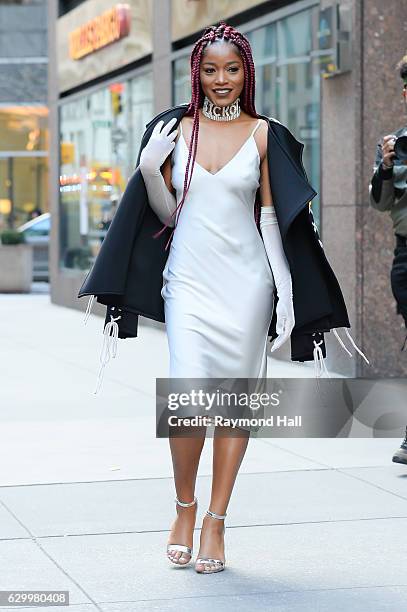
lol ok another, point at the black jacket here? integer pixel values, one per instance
(127, 273)
(388, 188)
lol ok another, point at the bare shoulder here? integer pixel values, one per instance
(260, 136)
(186, 125)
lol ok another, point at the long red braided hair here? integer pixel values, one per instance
(225, 32)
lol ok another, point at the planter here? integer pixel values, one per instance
(16, 265)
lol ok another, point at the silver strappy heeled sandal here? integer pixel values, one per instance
(206, 561)
(181, 547)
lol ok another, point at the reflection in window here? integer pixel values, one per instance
(181, 81)
(100, 137)
(24, 128)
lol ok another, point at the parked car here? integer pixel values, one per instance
(37, 232)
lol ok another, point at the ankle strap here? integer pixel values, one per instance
(214, 515)
(186, 504)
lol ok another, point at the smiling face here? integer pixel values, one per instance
(222, 73)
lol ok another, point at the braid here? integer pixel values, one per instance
(226, 32)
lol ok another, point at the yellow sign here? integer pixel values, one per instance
(108, 27)
(67, 153)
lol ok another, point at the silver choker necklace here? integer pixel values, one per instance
(221, 113)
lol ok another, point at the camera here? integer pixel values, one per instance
(400, 148)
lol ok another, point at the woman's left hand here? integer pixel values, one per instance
(285, 317)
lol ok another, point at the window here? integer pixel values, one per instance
(100, 134)
(23, 163)
(67, 5)
(288, 83)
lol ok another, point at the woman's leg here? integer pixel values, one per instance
(229, 447)
(185, 452)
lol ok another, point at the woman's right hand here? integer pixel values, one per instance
(159, 146)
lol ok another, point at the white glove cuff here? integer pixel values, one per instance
(267, 216)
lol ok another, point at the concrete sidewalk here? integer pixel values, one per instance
(86, 490)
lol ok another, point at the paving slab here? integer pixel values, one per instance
(9, 526)
(379, 599)
(24, 566)
(131, 506)
(392, 478)
(74, 450)
(295, 558)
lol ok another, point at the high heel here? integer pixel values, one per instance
(207, 561)
(182, 548)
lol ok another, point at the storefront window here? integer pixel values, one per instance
(100, 137)
(24, 128)
(181, 81)
(297, 100)
(287, 82)
(23, 163)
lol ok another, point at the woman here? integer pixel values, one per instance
(226, 265)
(218, 280)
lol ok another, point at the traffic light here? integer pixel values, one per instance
(117, 107)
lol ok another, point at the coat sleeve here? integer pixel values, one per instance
(318, 301)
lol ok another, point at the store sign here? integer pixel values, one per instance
(110, 26)
(67, 153)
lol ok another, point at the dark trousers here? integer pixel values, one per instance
(398, 276)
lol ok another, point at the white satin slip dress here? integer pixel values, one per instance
(217, 281)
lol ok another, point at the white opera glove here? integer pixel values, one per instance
(270, 232)
(152, 157)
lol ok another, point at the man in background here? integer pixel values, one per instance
(388, 192)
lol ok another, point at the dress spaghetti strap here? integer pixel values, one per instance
(255, 127)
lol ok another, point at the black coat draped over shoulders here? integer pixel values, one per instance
(126, 275)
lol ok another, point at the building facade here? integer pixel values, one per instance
(23, 111)
(113, 66)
